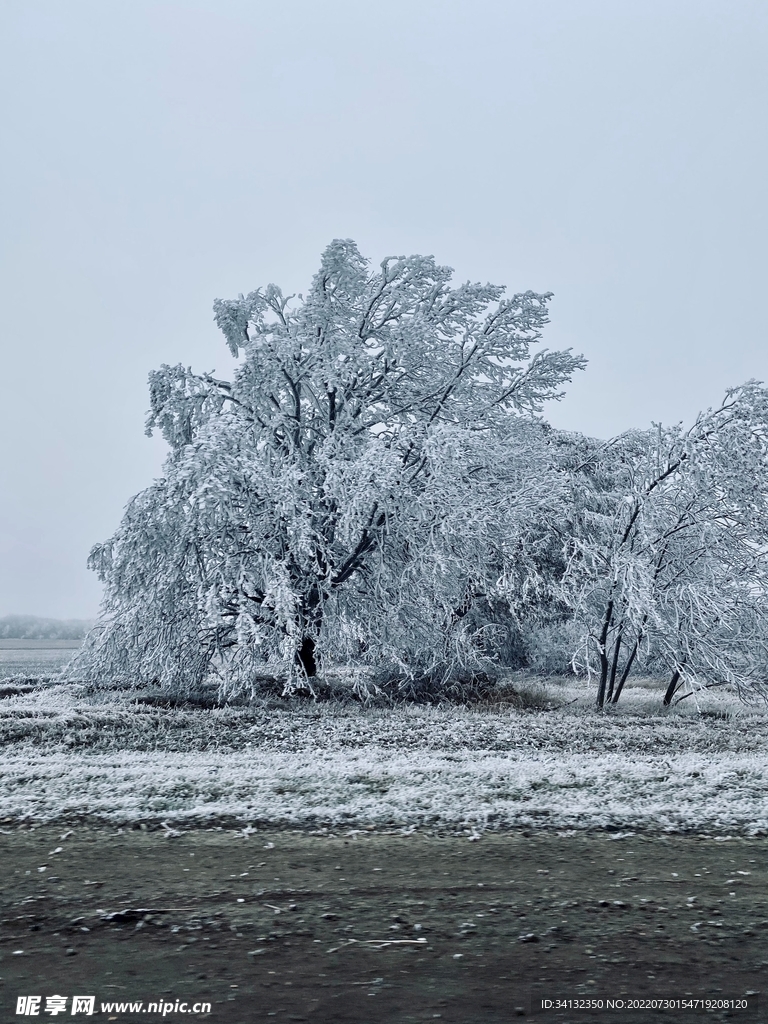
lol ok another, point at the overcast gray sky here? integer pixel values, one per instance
(160, 154)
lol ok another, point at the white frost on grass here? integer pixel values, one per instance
(54, 715)
(62, 755)
(384, 788)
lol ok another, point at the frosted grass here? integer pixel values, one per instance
(377, 788)
(58, 715)
(452, 768)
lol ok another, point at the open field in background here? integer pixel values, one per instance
(544, 759)
(35, 657)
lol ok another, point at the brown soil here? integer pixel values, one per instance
(274, 926)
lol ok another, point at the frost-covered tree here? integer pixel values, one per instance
(465, 566)
(344, 491)
(668, 551)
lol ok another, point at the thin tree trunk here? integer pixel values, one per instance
(673, 684)
(604, 655)
(625, 674)
(614, 666)
(629, 662)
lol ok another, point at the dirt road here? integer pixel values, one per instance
(366, 928)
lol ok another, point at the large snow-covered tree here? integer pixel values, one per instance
(668, 550)
(373, 455)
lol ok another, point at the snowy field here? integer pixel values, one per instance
(34, 658)
(549, 762)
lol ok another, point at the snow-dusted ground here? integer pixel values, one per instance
(65, 755)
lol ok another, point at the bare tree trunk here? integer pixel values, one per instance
(629, 662)
(673, 684)
(625, 673)
(614, 666)
(604, 654)
(306, 657)
(311, 618)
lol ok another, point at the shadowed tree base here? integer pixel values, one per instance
(307, 657)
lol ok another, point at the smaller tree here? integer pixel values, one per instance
(669, 551)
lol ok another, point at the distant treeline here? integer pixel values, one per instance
(29, 627)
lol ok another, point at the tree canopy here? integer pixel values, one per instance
(376, 485)
(371, 462)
